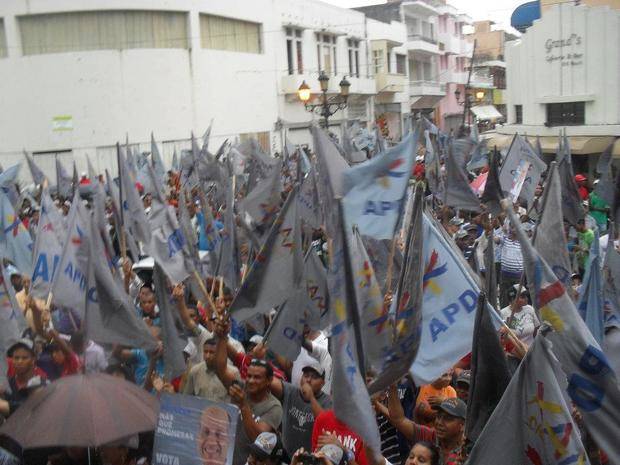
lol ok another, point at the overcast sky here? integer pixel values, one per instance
(497, 10)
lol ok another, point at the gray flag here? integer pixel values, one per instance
(611, 277)
(285, 334)
(110, 315)
(309, 207)
(572, 207)
(533, 401)
(315, 275)
(550, 240)
(35, 171)
(12, 322)
(276, 270)
(329, 177)
(92, 173)
(64, 181)
(173, 343)
(407, 303)
(521, 159)
(432, 168)
(262, 203)
(133, 208)
(489, 372)
(605, 187)
(48, 249)
(459, 194)
(228, 263)
(158, 163)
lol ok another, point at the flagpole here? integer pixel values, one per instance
(388, 279)
(203, 288)
(121, 228)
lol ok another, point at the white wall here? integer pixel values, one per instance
(533, 80)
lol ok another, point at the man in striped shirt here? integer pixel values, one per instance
(511, 264)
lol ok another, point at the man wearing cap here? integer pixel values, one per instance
(301, 405)
(582, 188)
(462, 385)
(260, 411)
(267, 449)
(519, 316)
(23, 375)
(447, 433)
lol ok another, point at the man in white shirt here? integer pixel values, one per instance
(314, 349)
(521, 317)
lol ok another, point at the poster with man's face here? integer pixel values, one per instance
(194, 431)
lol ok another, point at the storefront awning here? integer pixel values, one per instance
(579, 145)
(486, 112)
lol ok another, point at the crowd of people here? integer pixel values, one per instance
(285, 406)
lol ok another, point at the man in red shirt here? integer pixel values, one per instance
(582, 187)
(326, 426)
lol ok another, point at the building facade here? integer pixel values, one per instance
(562, 75)
(76, 78)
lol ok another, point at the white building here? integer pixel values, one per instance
(564, 74)
(76, 77)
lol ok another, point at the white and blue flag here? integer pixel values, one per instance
(448, 308)
(374, 190)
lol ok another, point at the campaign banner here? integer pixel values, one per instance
(448, 308)
(194, 431)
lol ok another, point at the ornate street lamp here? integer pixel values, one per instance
(327, 106)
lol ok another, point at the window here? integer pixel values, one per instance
(566, 114)
(294, 51)
(233, 35)
(263, 139)
(377, 61)
(518, 114)
(102, 30)
(3, 49)
(354, 57)
(326, 52)
(401, 64)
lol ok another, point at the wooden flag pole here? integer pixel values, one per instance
(388, 279)
(203, 288)
(120, 227)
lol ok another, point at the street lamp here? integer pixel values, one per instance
(326, 106)
(467, 103)
(480, 94)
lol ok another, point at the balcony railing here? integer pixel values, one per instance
(430, 40)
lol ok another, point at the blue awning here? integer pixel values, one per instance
(525, 15)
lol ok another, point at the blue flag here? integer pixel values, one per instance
(591, 301)
(375, 189)
(15, 241)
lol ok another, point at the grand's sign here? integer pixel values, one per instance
(555, 50)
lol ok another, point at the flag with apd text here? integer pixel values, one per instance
(448, 307)
(532, 423)
(374, 190)
(592, 384)
(47, 249)
(70, 286)
(12, 321)
(400, 353)
(15, 241)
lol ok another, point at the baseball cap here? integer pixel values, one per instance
(314, 366)
(580, 177)
(456, 221)
(454, 407)
(11, 270)
(523, 289)
(268, 446)
(23, 343)
(464, 377)
(256, 339)
(334, 453)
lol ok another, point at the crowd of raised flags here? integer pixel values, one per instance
(343, 241)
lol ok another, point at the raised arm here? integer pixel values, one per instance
(396, 415)
(178, 294)
(225, 374)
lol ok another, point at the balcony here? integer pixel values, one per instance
(289, 84)
(389, 82)
(421, 43)
(451, 43)
(422, 88)
(419, 8)
(457, 77)
(467, 48)
(481, 81)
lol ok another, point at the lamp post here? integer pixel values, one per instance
(468, 99)
(327, 106)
